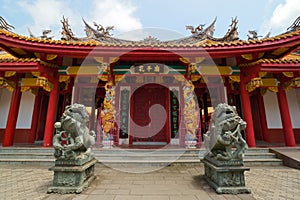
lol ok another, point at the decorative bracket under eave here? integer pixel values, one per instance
(254, 83)
(295, 82)
(9, 85)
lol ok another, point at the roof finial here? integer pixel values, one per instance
(295, 26)
(4, 25)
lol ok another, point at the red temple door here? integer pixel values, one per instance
(150, 130)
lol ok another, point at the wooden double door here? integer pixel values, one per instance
(150, 115)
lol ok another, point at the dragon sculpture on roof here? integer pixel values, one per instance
(295, 26)
(4, 25)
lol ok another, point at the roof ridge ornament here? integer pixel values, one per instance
(99, 32)
(199, 34)
(199, 30)
(67, 33)
(295, 26)
(253, 35)
(44, 35)
(150, 40)
(4, 25)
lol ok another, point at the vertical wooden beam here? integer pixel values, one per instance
(35, 118)
(289, 136)
(51, 114)
(12, 117)
(247, 114)
(263, 119)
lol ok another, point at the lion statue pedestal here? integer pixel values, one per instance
(74, 165)
(223, 164)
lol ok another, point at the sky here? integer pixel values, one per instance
(168, 16)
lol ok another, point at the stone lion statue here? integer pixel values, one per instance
(72, 139)
(225, 133)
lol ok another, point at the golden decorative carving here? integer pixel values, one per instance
(195, 77)
(3, 82)
(273, 89)
(24, 89)
(38, 55)
(119, 77)
(113, 59)
(7, 84)
(254, 83)
(10, 73)
(280, 50)
(184, 60)
(99, 59)
(235, 78)
(63, 78)
(36, 74)
(51, 56)
(288, 74)
(10, 88)
(191, 111)
(179, 78)
(108, 112)
(199, 59)
(103, 77)
(247, 56)
(295, 82)
(270, 82)
(41, 81)
(262, 74)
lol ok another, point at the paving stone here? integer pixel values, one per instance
(175, 182)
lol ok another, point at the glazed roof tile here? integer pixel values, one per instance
(273, 61)
(26, 60)
(110, 42)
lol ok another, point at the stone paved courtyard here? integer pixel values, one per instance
(169, 183)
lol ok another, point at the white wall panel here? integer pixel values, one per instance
(272, 110)
(293, 96)
(26, 110)
(5, 97)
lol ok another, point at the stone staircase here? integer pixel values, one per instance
(128, 157)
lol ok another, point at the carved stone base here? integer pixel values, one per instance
(226, 179)
(72, 178)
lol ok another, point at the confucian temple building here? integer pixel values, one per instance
(150, 92)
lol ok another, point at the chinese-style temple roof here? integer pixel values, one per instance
(201, 40)
(185, 42)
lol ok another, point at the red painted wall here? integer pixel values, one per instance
(276, 135)
(21, 135)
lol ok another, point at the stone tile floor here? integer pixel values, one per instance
(169, 183)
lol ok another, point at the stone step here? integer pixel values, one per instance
(24, 155)
(26, 150)
(22, 161)
(44, 156)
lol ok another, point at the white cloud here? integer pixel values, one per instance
(117, 13)
(47, 15)
(284, 15)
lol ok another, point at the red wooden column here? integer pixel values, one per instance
(51, 114)
(12, 117)
(285, 118)
(263, 118)
(247, 113)
(35, 118)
